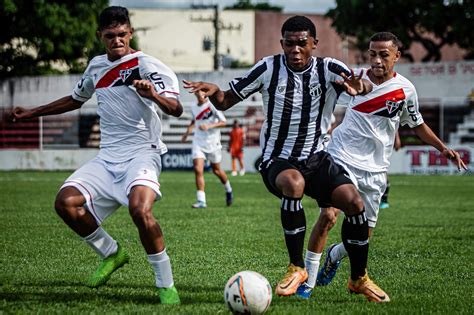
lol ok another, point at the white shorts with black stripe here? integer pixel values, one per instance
(106, 186)
(371, 186)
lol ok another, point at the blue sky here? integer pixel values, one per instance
(290, 6)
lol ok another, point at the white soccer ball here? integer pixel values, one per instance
(248, 292)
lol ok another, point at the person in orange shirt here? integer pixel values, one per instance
(236, 144)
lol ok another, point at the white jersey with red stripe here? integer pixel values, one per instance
(366, 135)
(207, 140)
(129, 123)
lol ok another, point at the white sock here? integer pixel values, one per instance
(101, 242)
(311, 263)
(227, 186)
(162, 266)
(338, 252)
(201, 196)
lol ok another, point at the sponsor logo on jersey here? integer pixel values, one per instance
(386, 105)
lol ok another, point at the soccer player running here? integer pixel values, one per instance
(236, 145)
(207, 145)
(128, 85)
(363, 144)
(299, 94)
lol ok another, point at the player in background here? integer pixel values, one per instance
(128, 84)
(397, 144)
(363, 144)
(299, 94)
(207, 145)
(236, 145)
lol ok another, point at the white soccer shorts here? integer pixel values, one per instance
(214, 156)
(106, 185)
(371, 186)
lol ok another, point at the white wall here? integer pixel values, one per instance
(408, 160)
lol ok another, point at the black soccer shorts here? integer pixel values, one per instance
(321, 173)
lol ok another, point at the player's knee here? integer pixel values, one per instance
(291, 186)
(355, 205)
(141, 215)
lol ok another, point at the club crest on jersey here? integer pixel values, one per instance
(394, 105)
(124, 74)
(315, 89)
(281, 89)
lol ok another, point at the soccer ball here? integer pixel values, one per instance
(248, 292)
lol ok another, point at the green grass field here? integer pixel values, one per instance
(421, 253)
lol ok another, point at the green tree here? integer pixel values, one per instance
(432, 24)
(248, 5)
(37, 33)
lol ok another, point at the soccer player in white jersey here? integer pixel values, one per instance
(299, 94)
(128, 84)
(207, 145)
(363, 144)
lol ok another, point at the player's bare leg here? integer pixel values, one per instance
(291, 184)
(200, 184)
(355, 236)
(141, 200)
(70, 207)
(216, 169)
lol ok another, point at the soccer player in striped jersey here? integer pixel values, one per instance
(363, 144)
(299, 94)
(128, 84)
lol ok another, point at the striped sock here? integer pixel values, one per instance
(293, 221)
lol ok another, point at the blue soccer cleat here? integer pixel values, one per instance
(328, 270)
(229, 198)
(384, 205)
(304, 291)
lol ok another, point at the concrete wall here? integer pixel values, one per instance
(408, 160)
(176, 38)
(452, 81)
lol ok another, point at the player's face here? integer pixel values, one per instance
(298, 48)
(382, 57)
(116, 40)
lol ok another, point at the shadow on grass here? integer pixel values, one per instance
(70, 292)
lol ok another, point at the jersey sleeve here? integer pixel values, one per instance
(411, 115)
(162, 77)
(220, 115)
(251, 82)
(335, 68)
(84, 88)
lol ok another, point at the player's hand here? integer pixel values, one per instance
(19, 113)
(144, 88)
(209, 89)
(353, 84)
(204, 127)
(455, 158)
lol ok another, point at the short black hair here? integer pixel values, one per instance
(386, 37)
(299, 23)
(113, 16)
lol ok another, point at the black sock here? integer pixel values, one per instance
(293, 222)
(355, 236)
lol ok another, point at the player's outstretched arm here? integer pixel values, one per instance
(59, 106)
(220, 99)
(427, 135)
(354, 84)
(188, 131)
(168, 105)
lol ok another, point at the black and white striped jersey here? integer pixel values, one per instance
(297, 105)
